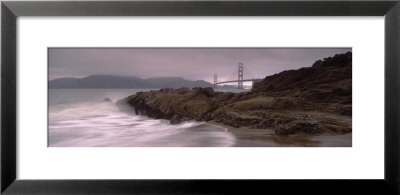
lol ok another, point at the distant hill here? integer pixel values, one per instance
(125, 82)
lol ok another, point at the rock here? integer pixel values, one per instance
(328, 80)
(182, 91)
(208, 92)
(176, 119)
(165, 90)
(298, 127)
(311, 100)
(107, 100)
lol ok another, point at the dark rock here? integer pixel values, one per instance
(175, 119)
(208, 92)
(328, 80)
(107, 100)
(297, 127)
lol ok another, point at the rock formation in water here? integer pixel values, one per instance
(310, 100)
(107, 100)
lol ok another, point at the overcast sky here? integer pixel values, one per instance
(192, 64)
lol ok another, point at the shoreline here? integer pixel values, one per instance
(247, 137)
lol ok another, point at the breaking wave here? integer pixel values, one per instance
(103, 124)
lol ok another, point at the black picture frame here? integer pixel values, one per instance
(11, 10)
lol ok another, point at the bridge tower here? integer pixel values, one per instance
(215, 80)
(240, 76)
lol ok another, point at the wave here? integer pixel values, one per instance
(103, 124)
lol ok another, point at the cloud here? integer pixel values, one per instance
(189, 63)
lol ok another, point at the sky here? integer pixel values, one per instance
(188, 63)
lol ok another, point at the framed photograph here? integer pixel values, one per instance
(199, 97)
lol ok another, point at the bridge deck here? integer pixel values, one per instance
(244, 80)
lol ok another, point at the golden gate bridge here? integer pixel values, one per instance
(239, 79)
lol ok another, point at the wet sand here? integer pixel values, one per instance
(246, 137)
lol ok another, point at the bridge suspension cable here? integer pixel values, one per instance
(248, 73)
(232, 75)
(240, 79)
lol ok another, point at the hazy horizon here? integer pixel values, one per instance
(122, 76)
(188, 63)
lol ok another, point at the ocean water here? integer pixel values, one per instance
(80, 118)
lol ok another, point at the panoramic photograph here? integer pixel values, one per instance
(199, 97)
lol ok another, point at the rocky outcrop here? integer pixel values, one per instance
(327, 81)
(310, 100)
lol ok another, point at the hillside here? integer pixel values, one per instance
(124, 82)
(328, 80)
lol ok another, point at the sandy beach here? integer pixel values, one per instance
(246, 137)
